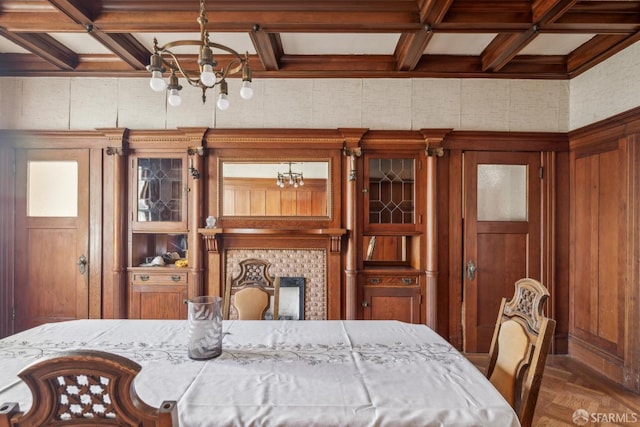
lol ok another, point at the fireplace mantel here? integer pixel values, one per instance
(211, 235)
(219, 241)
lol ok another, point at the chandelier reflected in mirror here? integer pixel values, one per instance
(294, 179)
(209, 76)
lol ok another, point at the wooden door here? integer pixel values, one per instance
(52, 210)
(501, 236)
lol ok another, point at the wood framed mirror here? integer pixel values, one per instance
(275, 188)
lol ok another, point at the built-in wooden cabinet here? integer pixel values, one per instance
(158, 294)
(391, 295)
(158, 234)
(391, 282)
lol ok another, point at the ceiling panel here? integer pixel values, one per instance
(458, 44)
(240, 42)
(555, 44)
(7, 46)
(80, 42)
(339, 43)
(551, 39)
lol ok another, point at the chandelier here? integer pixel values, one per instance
(294, 179)
(209, 76)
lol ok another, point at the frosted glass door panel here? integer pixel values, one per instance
(502, 192)
(52, 189)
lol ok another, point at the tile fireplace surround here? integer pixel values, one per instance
(307, 263)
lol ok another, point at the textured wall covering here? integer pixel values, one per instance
(403, 104)
(307, 263)
(399, 104)
(607, 89)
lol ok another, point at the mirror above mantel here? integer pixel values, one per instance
(275, 188)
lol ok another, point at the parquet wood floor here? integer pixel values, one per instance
(569, 385)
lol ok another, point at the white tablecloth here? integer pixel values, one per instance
(284, 373)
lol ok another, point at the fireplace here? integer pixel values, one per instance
(314, 254)
(309, 264)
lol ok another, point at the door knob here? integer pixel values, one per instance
(471, 270)
(82, 264)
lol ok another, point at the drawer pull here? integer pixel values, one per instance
(175, 278)
(144, 277)
(374, 280)
(407, 280)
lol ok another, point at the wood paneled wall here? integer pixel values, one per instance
(7, 229)
(604, 322)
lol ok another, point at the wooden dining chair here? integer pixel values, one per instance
(519, 347)
(85, 388)
(251, 291)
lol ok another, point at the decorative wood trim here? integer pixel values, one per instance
(7, 242)
(506, 141)
(53, 139)
(330, 232)
(312, 139)
(631, 367)
(603, 362)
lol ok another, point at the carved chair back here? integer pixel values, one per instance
(85, 388)
(519, 347)
(251, 291)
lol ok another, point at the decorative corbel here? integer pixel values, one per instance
(353, 153)
(194, 151)
(118, 141)
(116, 151)
(433, 138)
(434, 151)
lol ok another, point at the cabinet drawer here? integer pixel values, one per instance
(399, 280)
(169, 278)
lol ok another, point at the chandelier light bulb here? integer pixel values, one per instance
(246, 91)
(157, 83)
(223, 101)
(207, 77)
(174, 97)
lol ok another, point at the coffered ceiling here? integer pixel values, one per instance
(540, 39)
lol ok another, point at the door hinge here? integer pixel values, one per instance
(541, 172)
(13, 313)
(14, 167)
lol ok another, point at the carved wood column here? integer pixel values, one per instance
(118, 148)
(434, 150)
(195, 219)
(352, 151)
(195, 165)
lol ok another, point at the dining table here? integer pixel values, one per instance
(281, 372)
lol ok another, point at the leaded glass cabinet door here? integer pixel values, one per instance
(390, 194)
(390, 214)
(159, 192)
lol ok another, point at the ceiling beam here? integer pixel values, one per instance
(44, 46)
(548, 11)
(268, 47)
(410, 49)
(596, 50)
(504, 47)
(411, 46)
(125, 46)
